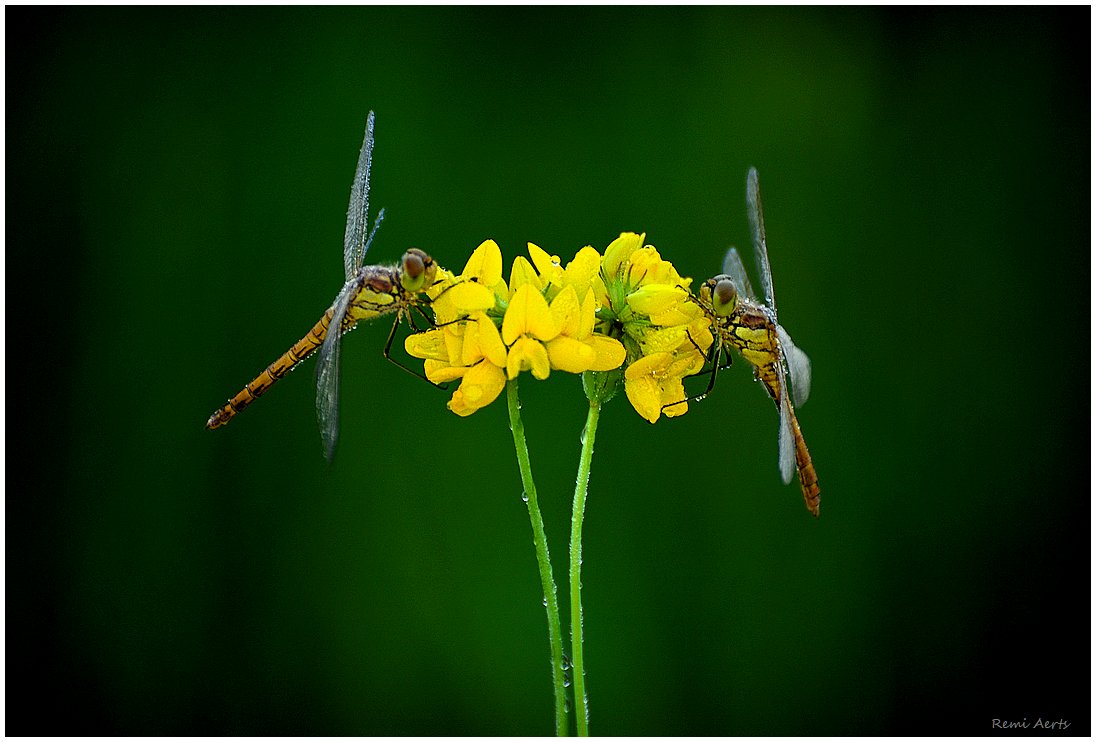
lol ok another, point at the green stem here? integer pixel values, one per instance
(582, 714)
(540, 541)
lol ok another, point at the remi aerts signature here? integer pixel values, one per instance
(1040, 723)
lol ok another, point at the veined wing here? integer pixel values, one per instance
(757, 230)
(327, 372)
(786, 440)
(799, 366)
(357, 213)
(732, 266)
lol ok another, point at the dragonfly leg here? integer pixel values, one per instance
(388, 355)
(423, 314)
(465, 318)
(473, 279)
(717, 348)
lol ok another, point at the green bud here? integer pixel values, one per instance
(601, 386)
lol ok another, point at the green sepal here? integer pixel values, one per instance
(601, 386)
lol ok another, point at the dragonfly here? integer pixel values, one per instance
(369, 291)
(743, 321)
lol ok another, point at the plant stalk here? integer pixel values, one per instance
(540, 541)
(582, 481)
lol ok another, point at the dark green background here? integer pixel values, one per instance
(176, 193)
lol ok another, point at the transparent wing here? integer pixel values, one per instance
(732, 266)
(757, 230)
(327, 373)
(799, 366)
(787, 449)
(357, 213)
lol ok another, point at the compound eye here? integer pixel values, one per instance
(725, 294)
(413, 266)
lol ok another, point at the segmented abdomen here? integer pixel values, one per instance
(255, 388)
(808, 479)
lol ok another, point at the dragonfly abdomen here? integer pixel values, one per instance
(286, 362)
(808, 479)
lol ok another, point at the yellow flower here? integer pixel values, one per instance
(654, 381)
(490, 330)
(646, 303)
(527, 321)
(477, 288)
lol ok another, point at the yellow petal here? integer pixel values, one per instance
(687, 361)
(618, 251)
(664, 339)
(673, 391)
(565, 309)
(454, 341)
(678, 314)
(654, 298)
(469, 296)
(429, 344)
(647, 266)
(527, 355)
(470, 352)
(570, 355)
(580, 272)
(528, 314)
(547, 265)
(653, 365)
(481, 386)
(485, 264)
(644, 394)
(523, 273)
(587, 316)
(491, 344)
(608, 352)
(440, 372)
(701, 332)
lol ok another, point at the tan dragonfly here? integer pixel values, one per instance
(370, 291)
(750, 325)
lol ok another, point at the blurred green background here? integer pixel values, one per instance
(176, 194)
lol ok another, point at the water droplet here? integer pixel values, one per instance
(566, 681)
(566, 705)
(545, 601)
(565, 663)
(524, 496)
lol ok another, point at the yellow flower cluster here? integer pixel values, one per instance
(596, 314)
(667, 335)
(490, 330)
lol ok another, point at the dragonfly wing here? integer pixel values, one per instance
(757, 231)
(799, 366)
(732, 266)
(357, 213)
(787, 449)
(327, 373)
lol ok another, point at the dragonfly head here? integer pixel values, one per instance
(720, 294)
(417, 270)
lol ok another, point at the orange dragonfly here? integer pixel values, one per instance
(750, 325)
(370, 291)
